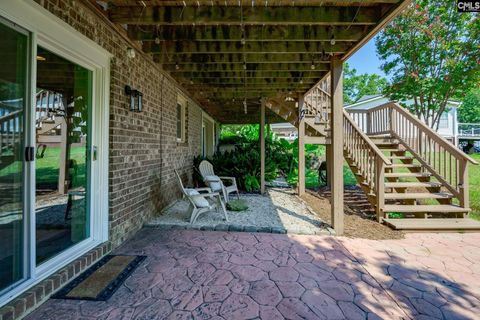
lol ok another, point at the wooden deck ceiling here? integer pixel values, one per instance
(228, 52)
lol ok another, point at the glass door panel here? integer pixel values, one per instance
(62, 121)
(13, 77)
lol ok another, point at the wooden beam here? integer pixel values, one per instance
(199, 67)
(212, 47)
(223, 95)
(301, 148)
(247, 3)
(249, 87)
(237, 57)
(247, 74)
(230, 15)
(262, 147)
(336, 77)
(249, 81)
(251, 33)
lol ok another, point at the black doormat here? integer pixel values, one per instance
(100, 281)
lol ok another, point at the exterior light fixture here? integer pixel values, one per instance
(157, 40)
(244, 66)
(332, 40)
(312, 66)
(136, 99)
(245, 106)
(131, 53)
(301, 81)
(177, 67)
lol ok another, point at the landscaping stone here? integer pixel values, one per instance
(279, 211)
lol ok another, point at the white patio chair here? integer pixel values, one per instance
(201, 202)
(216, 183)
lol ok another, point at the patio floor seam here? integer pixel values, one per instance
(387, 292)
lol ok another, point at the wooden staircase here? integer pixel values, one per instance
(421, 179)
(49, 117)
(413, 177)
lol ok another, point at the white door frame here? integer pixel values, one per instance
(53, 34)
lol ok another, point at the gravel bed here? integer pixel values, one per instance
(278, 211)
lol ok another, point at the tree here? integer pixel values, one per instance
(432, 54)
(356, 85)
(469, 111)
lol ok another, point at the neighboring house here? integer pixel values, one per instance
(285, 130)
(448, 126)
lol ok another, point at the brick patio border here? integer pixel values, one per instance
(38, 294)
(237, 228)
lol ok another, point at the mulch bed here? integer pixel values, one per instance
(359, 214)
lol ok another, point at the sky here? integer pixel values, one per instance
(366, 60)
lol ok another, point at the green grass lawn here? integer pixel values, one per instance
(474, 179)
(46, 169)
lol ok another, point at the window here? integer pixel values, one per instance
(181, 119)
(443, 121)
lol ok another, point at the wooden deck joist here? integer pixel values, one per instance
(228, 50)
(261, 15)
(258, 47)
(286, 67)
(262, 33)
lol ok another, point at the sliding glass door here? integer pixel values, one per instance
(45, 147)
(13, 106)
(62, 133)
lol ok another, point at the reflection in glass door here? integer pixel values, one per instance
(62, 122)
(13, 76)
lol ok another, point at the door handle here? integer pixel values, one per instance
(29, 154)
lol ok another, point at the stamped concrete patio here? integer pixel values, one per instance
(218, 275)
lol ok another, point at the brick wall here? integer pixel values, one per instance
(143, 146)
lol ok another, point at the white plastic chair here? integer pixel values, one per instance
(201, 202)
(216, 183)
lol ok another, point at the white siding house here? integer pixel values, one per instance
(448, 126)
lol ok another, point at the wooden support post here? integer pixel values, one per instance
(329, 159)
(301, 148)
(336, 75)
(262, 147)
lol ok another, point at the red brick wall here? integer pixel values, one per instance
(143, 146)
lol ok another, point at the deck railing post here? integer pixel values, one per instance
(262, 147)
(368, 121)
(379, 188)
(301, 147)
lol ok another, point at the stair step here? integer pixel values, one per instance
(391, 149)
(400, 158)
(440, 208)
(413, 196)
(407, 174)
(433, 224)
(404, 165)
(412, 184)
(386, 143)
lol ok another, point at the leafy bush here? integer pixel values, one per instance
(243, 162)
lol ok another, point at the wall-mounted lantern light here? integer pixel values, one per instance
(136, 97)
